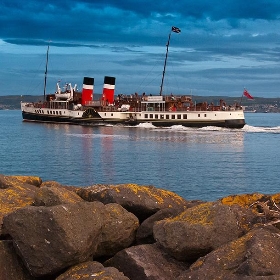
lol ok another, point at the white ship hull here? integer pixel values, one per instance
(109, 114)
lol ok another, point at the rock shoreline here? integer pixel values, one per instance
(121, 232)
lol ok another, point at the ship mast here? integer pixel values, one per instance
(176, 30)
(46, 72)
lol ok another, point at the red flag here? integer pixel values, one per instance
(247, 94)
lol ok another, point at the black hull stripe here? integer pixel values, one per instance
(238, 123)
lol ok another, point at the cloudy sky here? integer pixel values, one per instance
(223, 46)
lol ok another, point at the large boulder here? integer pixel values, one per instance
(142, 201)
(145, 262)
(118, 230)
(16, 192)
(256, 254)
(200, 229)
(92, 271)
(52, 238)
(49, 239)
(50, 196)
(11, 265)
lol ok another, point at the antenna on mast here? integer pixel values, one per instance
(176, 30)
(46, 72)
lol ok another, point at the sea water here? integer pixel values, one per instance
(206, 163)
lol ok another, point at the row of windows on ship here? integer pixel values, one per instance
(163, 116)
(48, 112)
(146, 116)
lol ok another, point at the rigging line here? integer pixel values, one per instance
(148, 74)
(151, 81)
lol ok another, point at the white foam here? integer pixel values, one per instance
(145, 125)
(260, 129)
(212, 128)
(179, 127)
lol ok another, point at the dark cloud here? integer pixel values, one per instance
(122, 21)
(222, 43)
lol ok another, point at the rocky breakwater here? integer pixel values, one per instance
(51, 231)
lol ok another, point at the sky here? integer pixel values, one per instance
(224, 46)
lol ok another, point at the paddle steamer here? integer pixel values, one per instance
(68, 105)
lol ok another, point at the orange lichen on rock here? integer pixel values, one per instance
(159, 195)
(32, 180)
(14, 198)
(198, 264)
(243, 200)
(236, 248)
(200, 214)
(276, 197)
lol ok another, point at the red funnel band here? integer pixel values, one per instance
(87, 92)
(108, 95)
(108, 90)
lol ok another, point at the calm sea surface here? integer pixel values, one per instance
(206, 164)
